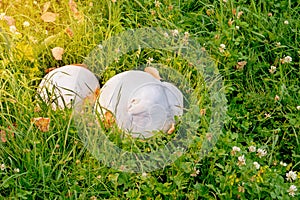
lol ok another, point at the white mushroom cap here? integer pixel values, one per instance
(68, 85)
(140, 102)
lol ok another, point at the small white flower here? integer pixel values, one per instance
(2, 167)
(150, 60)
(276, 98)
(286, 22)
(186, 34)
(166, 34)
(241, 160)
(272, 70)
(287, 59)
(256, 164)
(291, 176)
(298, 107)
(252, 149)
(16, 170)
(235, 149)
(292, 190)
(144, 174)
(195, 173)
(26, 24)
(222, 48)
(100, 46)
(261, 153)
(2, 15)
(267, 115)
(35, 2)
(13, 29)
(157, 4)
(283, 164)
(278, 44)
(175, 32)
(237, 27)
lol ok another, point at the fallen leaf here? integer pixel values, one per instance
(74, 10)
(49, 69)
(69, 32)
(81, 65)
(172, 129)
(49, 16)
(153, 71)
(91, 99)
(46, 6)
(57, 53)
(108, 119)
(42, 123)
(9, 20)
(241, 64)
(3, 136)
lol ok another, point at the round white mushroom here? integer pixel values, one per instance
(67, 86)
(140, 103)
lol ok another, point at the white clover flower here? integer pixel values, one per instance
(16, 170)
(256, 164)
(222, 48)
(291, 176)
(283, 164)
(272, 70)
(2, 167)
(298, 107)
(286, 22)
(196, 172)
(166, 34)
(175, 32)
(186, 34)
(292, 190)
(26, 24)
(235, 149)
(13, 29)
(157, 4)
(2, 15)
(261, 153)
(144, 174)
(100, 46)
(150, 60)
(241, 160)
(287, 59)
(252, 148)
(237, 27)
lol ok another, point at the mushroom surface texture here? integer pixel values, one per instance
(140, 103)
(67, 86)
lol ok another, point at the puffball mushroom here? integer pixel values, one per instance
(68, 85)
(140, 102)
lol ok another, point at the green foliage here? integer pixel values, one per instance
(57, 165)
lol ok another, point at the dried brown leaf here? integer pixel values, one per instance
(42, 123)
(57, 53)
(153, 71)
(46, 6)
(49, 16)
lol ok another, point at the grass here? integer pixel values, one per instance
(57, 165)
